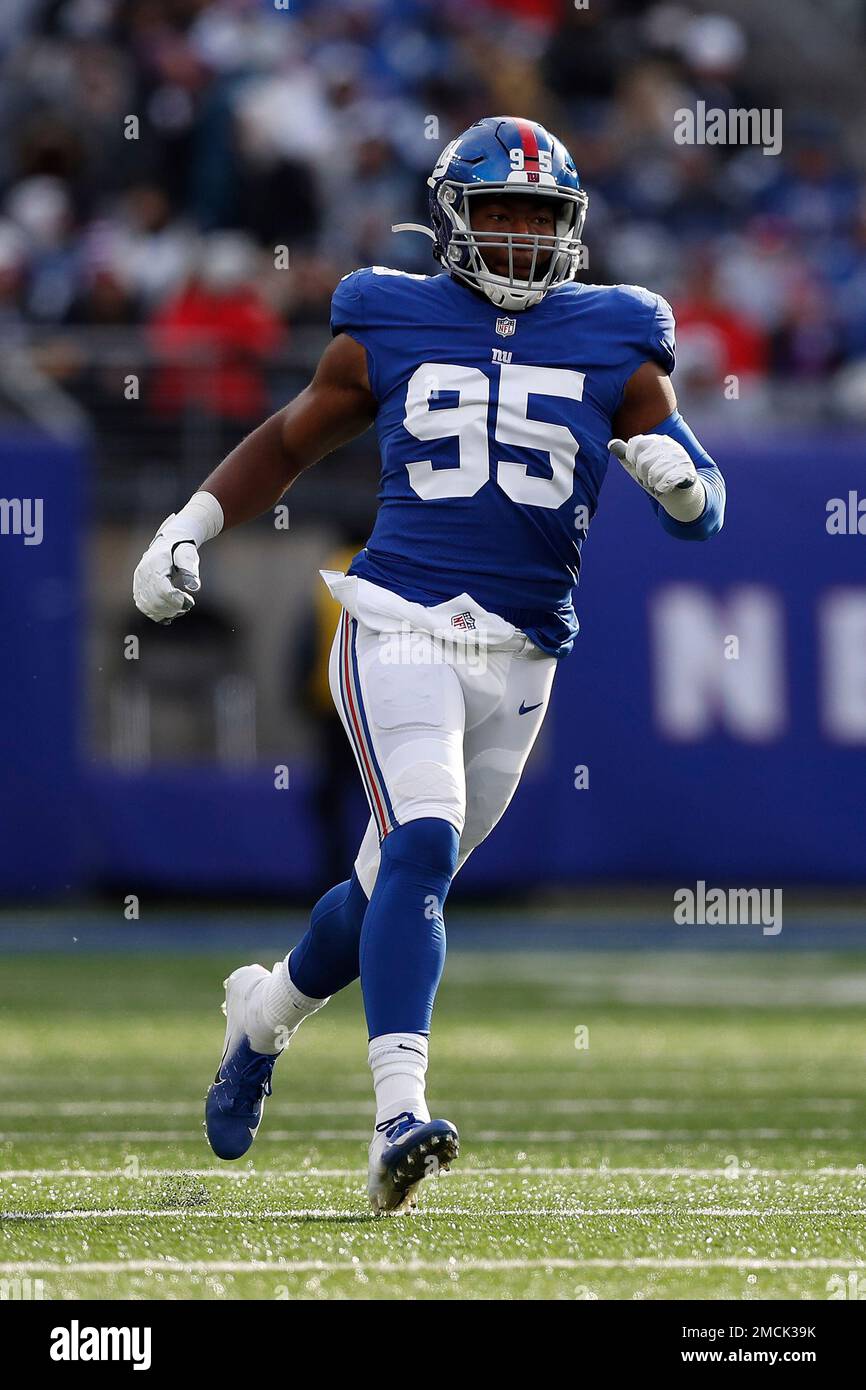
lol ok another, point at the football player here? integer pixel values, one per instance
(499, 388)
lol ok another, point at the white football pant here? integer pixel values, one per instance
(441, 706)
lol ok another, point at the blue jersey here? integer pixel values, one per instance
(493, 432)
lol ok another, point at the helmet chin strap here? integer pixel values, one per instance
(413, 227)
(501, 290)
(509, 297)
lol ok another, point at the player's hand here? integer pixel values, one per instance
(659, 464)
(167, 575)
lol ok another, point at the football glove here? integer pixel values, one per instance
(663, 468)
(655, 461)
(168, 574)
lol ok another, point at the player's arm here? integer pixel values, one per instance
(337, 405)
(657, 448)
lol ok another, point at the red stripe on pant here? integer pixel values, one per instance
(354, 718)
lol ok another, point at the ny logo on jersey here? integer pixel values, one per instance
(505, 327)
(500, 355)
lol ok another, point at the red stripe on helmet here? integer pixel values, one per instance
(528, 140)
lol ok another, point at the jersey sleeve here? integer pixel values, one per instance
(350, 314)
(661, 334)
(645, 323)
(347, 305)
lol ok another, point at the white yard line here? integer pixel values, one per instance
(629, 1136)
(193, 1135)
(333, 1213)
(292, 1175)
(450, 1266)
(517, 1136)
(562, 1106)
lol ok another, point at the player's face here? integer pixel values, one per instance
(524, 217)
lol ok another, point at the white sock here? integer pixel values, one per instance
(398, 1062)
(277, 1010)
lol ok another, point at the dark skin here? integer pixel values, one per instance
(518, 215)
(338, 404)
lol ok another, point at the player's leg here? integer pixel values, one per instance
(402, 955)
(505, 709)
(405, 717)
(497, 741)
(326, 959)
(264, 1009)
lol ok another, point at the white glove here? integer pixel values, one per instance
(655, 461)
(663, 468)
(167, 575)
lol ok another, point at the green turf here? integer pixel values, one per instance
(709, 1143)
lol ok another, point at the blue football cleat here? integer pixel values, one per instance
(236, 1099)
(403, 1152)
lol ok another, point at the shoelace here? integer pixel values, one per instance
(253, 1083)
(396, 1123)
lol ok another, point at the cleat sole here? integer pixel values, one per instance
(444, 1148)
(393, 1191)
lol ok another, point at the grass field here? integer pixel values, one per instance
(709, 1142)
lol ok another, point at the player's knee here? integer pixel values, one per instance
(492, 780)
(427, 785)
(341, 909)
(429, 843)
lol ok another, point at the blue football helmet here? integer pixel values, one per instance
(506, 154)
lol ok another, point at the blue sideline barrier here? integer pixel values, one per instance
(748, 769)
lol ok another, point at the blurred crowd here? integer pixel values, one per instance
(157, 155)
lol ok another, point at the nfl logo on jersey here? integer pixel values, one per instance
(505, 327)
(465, 621)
